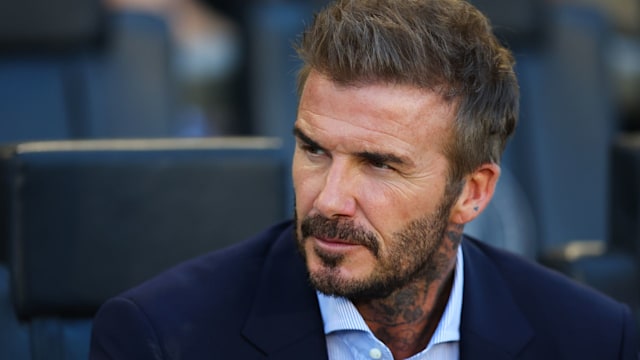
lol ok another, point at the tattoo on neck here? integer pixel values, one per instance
(454, 235)
(406, 320)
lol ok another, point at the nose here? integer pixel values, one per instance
(338, 194)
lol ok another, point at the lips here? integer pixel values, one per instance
(334, 244)
(337, 234)
(336, 241)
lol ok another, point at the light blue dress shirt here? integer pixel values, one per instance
(349, 337)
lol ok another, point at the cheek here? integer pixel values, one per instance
(391, 206)
(304, 186)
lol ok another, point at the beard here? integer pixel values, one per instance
(412, 254)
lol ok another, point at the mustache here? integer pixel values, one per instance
(345, 230)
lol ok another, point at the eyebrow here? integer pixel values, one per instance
(305, 138)
(382, 158)
(371, 156)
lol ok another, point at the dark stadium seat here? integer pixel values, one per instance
(110, 76)
(88, 219)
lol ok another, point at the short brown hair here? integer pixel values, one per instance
(445, 46)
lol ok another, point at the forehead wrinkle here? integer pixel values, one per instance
(374, 146)
(366, 96)
(425, 99)
(421, 121)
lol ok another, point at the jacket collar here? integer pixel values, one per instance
(285, 320)
(492, 325)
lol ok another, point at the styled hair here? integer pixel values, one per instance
(446, 46)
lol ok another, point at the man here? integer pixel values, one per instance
(405, 109)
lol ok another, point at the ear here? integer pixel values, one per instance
(476, 193)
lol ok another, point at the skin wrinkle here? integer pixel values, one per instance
(391, 115)
(411, 175)
(373, 147)
(371, 144)
(409, 171)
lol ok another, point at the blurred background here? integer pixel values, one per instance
(131, 131)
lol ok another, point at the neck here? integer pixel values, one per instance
(406, 320)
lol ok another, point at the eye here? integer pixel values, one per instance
(379, 161)
(312, 150)
(380, 165)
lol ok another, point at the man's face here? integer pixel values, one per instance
(370, 174)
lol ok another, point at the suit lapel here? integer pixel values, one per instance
(285, 321)
(492, 326)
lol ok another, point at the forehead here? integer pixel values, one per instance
(401, 117)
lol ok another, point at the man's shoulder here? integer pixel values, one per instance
(538, 310)
(547, 297)
(224, 277)
(196, 308)
(527, 277)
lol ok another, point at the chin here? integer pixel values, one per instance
(341, 281)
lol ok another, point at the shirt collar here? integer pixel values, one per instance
(338, 313)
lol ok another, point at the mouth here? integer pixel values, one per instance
(336, 237)
(335, 244)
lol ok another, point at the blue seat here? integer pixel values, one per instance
(559, 153)
(27, 114)
(36, 46)
(127, 89)
(115, 81)
(557, 162)
(14, 335)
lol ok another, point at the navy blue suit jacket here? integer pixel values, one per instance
(253, 301)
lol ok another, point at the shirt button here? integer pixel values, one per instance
(375, 353)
